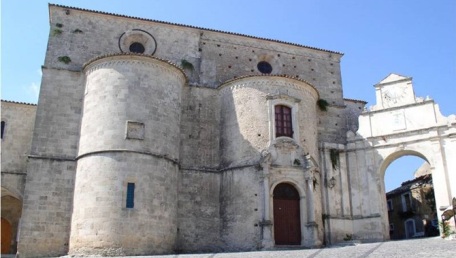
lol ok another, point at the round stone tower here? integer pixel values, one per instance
(125, 197)
(269, 120)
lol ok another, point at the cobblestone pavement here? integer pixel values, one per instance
(423, 248)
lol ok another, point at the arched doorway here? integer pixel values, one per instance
(7, 235)
(410, 202)
(287, 223)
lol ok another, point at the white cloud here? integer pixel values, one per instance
(33, 89)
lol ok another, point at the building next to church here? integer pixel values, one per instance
(411, 207)
(152, 137)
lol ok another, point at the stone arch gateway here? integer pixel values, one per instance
(399, 124)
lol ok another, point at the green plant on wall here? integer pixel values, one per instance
(56, 32)
(445, 226)
(64, 59)
(297, 162)
(186, 64)
(334, 156)
(322, 104)
(315, 182)
(348, 237)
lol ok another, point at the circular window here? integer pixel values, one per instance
(137, 41)
(137, 47)
(264, 67)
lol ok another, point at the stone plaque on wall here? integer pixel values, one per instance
(398, 120)
(135, 130)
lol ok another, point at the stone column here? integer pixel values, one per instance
(266, 224)
(311, 225)
(308, 175)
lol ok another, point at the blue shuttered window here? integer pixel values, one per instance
(130, 195)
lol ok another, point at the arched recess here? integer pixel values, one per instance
(7, 236)
(11, 192)
(11, 213)
(287, 215)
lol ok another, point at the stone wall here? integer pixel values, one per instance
(216, 57)
(101, 222)
(199, 222)
(240, 211)
(200, 128)
(47, 206)
(19, 120)
(51, 167)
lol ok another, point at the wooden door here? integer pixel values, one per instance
(287, 223)
(7, 234)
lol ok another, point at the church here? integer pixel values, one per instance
(152, 137)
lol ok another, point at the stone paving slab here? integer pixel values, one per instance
(423, 248)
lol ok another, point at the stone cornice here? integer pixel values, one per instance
(157, 155)
(270, 80)
(119, 57)
(192, 27)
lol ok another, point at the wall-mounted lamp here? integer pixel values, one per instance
(331, 182)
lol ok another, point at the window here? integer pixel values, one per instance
(390, 204)
(130, 195)
(410, 229)
(3, 128)
(283, 123)
(137, 47)
(264, 67)
(406, 202)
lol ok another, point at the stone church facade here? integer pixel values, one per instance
(151, 137)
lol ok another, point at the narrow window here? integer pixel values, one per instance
(283, 121)
(406, 202)
(130, 195)
(3, 128)
(390, 205)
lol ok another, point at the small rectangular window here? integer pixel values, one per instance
(130, 195)
(3, 128)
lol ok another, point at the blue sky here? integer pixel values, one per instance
(414, 38)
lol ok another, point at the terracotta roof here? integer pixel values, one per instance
(17, 102)
(195, 27)
(410, 184)
(356, 100)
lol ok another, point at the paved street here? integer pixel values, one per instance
(424, 247)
